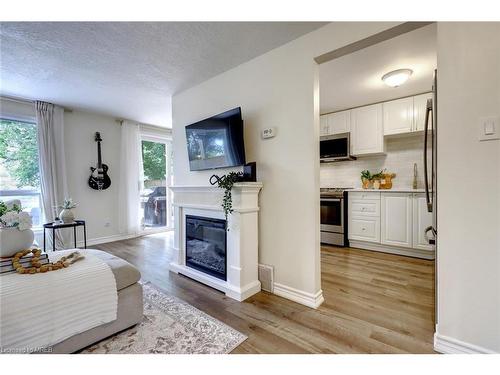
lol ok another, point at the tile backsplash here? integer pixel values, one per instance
(401, 154)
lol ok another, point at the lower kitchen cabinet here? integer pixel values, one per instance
(421, 220)
(364, 229)
(396, 219)
(392, 222)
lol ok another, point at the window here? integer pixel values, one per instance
(19, 172)
(156, 212)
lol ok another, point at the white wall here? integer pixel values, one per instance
(468, 185)
(279, 89)
(401, 154)
(95, 207)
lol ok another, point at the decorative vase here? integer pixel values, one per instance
(67, 215)
(13, 240)
(366, 183)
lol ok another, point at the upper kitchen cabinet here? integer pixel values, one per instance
(323, 125)
(419, 106)
(339, 122)
(335, 123)
(367, 130)
(398, 116)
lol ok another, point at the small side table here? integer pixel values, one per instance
(76, 223)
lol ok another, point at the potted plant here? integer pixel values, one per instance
(15, 228)
(226, 182)
(67, 215)
(366, 179)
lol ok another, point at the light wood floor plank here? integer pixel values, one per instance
(374, 302)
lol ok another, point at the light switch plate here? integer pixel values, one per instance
(489, 128)
(268, 133)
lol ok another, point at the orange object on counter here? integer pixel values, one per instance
(386, 181)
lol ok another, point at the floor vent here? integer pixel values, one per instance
(266, 277)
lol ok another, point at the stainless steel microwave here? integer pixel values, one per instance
(335, 148)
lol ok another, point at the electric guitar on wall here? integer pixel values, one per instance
(99, 179)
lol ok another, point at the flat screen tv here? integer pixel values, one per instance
(216, 142)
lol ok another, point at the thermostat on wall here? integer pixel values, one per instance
(268, 133)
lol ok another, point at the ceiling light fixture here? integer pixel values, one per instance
(397, 77)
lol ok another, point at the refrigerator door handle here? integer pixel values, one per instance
(428, 110)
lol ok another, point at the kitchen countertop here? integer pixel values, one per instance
(395, 190)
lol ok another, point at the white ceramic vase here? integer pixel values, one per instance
(67, 215)
(13, 240)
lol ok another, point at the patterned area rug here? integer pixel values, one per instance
(171, 326)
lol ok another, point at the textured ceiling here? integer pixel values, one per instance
(356, 79)
(128, 69)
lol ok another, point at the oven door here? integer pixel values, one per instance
(332, 215)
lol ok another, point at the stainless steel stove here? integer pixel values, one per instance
(333, 216)
(332, 192)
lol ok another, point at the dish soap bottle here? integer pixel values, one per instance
(414, 176)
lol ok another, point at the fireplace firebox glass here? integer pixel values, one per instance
(206, 245)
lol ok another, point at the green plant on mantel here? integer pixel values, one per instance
(226, 182)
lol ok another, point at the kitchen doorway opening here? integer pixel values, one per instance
(377, 265)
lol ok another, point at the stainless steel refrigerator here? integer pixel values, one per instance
(430, 173)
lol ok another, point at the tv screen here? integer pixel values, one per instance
(216, 142)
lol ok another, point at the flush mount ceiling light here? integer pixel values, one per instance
(397, 77)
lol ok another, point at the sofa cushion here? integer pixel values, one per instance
(125, 273)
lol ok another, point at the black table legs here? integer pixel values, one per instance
(78, 223)
(85, 236)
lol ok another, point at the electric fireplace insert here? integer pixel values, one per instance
(206, 245)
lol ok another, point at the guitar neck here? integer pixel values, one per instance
(99, 161)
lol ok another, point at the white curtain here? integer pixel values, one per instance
(53, 184)
(130, 179)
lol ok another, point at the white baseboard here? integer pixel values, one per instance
(449, 345)
(101, 240)
(299, 296)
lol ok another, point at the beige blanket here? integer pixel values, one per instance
(40, 310)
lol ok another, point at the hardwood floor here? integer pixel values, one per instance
(374, 302)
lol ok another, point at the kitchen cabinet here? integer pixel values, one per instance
(364, 216)
(398, 116)
(339, 122)
(367, 131)
(421, 220)
(364, 229)
(419, 106)
(397, 219)
(389, 221)
(323, 125)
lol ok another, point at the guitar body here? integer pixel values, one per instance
(97, 181)
(99, 178)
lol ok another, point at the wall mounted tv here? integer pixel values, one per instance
(216, 142)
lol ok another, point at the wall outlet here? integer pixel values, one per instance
(268, 133)
(107, 224)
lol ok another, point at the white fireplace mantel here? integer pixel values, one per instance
(242, 235)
